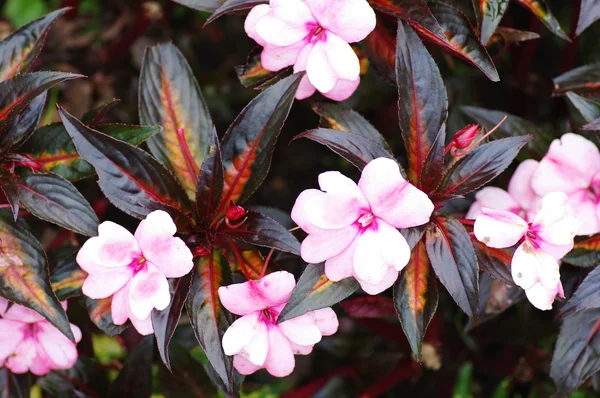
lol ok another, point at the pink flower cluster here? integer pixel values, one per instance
(28, 342)
(353, 228)
(255, 339)
(313, 36)
(134, 268)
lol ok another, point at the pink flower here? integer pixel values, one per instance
(313, 35)
(353, 227)
(520, 199)
(255, 340)
(28, 342)
(545, 241)
(134, 268)
(572, 166)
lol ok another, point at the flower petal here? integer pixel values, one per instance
(342, 90)
(143, 326)
(280, 360)
(301, 330)
(554, 220)
(340, 266)
(244, 298)
(155, 237)
(542, 298)
(352, 20)
(569, 165)
(113, 247)
(248, 336)
(376, 288)
(519, 186)
(342, 57)
(499, 228)
(493, 198)
(252, 19)
(301, 349)
(149, 289)
(119, 306)
(316, 248)
(305, 89)
(275, 58)
(586, 210)
(59, 349)
(298, 213)
(23, 314)
(104, 284)
(326, 320)
(528, 264)
(391, 197)
(286, 23)
(379, 248)
(23, 357)
(319, 69)
(11, 335)
(244, 366)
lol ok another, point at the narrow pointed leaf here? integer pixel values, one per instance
(24, 275)
(453, 258)
(130, 178)
(233, 6)
(53, 149)
(201, 5)
(20, 49)
(576, 355)
(24, 125)
(587, 108)
(165, 321)
(541, 10)
(208, 317)
(588, 14)
(211, 180)
(54, 199)
(93, 117)
(170, 96)
(416, 297)
(481, 165)
(582, 80)
(422, 102)
(315, 291)
(67, 278)
(10, 189)
(492, 12)
(262, 230)
(248, 144)
(509, 35)
(100, 312)
(369, 307)
(593, 125)
(586, 297)
(135, 378)
(495, 262)
(253, 75)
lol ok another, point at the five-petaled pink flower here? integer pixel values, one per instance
(353, 228)
(545, 241)
(520, 199)
(134, 268)
(28, 342)
(313, 35)
(572, 166)
(256, 340)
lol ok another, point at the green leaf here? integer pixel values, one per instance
(67, 278)
(24, 125)
(93, 117)
(208, 317)
(492, 12)
(416, 297)
(24, 275)
(54, 199)
(452, 256)
(422, 108)
(587, 108)
(315, 291)
(130, 178)
(211, 180)
(588, 14)
(170, 96)
(253, 75)
(135, 378)
(10, 189)
(100, 312)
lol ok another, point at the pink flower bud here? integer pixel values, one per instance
(235, 212)
(465, 136)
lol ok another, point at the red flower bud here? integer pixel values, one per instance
(235, 212)
(201, 251)
(465, 136)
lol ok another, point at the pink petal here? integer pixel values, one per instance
(41, 364)
(326, 320)
(554, 223)
(569, 165)
(391, 197)
(586, 210)
(104, 284)
(244, 366)
(23, 358)
(340, 266)
(22, 314)
(474, 211)
(143, 326)
(244, 298)
(59, 349)
(11, 335)
(388, 280)
(275, 58)
(352, 20)
(287, 23)
(527, 263)
(252, 19)
(248, 336)
(301, 330)
(113, 247)
(379, 248)
(305, 89)
(494, 198)
(316, 248)
(342, 90)
(519, 186)
(542, 298)
(155, 237)
(299, 214)
(148, 289)
(301, 349)
(119, 306)
(280, 360)
(342, 57)
(343, 204)
(498, 228)
(319, 69)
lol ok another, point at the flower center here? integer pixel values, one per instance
(138, 264)
(267, 314)
(366, 219)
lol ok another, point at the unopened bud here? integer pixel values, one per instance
(465, 136)
(235, 212)
(200, 251)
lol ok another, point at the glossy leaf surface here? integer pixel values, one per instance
(211, 180)
(67, 278)
(10, 189)
(100, 312)
(495, 262)
(541, 10)
(582, 80)
(492, 12)
(24, 124)
(586, 297)
(588, 14)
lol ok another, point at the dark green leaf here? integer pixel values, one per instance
(211, 180)
(452, 257)
(582, 80)
(93, 117)
(67, 278)
(10, 188)
(253, 75)
(135, 378)
(24, 125)
(586, 297)
(492, 12)
(315, 291)
(130, 178)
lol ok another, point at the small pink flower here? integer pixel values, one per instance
(28, 342)
(313, 35)
(520, 199)
(134, 268)
(572, 166)
(545, 241)
(353, 228)
(255, 340)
